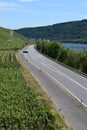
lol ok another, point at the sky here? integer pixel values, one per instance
(15, 14)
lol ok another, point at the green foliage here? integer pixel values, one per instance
(62, 54)
(83, 59)
(75, 31)
(14, 42)
(77, 60)
(20, 109)
(53, 50)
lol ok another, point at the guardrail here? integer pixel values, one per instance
(64, 65)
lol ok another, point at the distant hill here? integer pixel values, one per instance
(11, 40)
(75, 31)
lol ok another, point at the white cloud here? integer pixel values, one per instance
(7, 4)
(27, 0)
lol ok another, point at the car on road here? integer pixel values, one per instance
(25, 52)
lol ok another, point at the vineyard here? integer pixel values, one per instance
(11, 42)
(20, 108)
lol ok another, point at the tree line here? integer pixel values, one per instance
(75, 31)
(54, 49)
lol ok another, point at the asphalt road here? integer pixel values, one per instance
(59, 83)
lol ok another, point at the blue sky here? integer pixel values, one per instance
(15, 14)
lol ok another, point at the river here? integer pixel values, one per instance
(76, 46)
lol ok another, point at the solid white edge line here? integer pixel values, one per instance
(60, 84)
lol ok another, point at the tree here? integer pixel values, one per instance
(62, 54)
(53, 50)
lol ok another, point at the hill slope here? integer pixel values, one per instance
(69, 31)
(11, 40)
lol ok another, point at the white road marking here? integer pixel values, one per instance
(60, 73)
(58, 82)
(66, 76)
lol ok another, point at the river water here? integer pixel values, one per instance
(76, 46)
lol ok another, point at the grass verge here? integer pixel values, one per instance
(42, 97)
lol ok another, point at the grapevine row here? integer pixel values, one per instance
(20, 108)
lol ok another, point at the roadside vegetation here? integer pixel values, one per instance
(23, 104)
(19, 106)
(77, 60)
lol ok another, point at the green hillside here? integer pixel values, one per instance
(11, 40)
(23, 104)
(75, 31)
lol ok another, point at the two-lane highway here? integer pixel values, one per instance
(61, 79)
(72, 82)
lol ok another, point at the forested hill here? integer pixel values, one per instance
(75, 31)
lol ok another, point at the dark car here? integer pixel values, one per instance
(25, 51)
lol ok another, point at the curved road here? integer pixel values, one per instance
(59, 83)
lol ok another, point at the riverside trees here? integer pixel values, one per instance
(77, 60)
